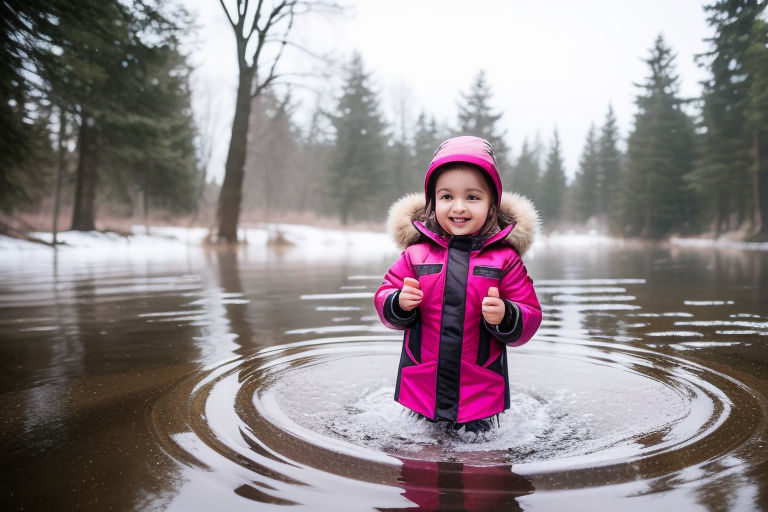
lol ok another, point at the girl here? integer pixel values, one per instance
(459, 289)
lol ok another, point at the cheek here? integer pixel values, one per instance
(482, 215)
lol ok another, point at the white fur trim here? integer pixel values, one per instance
(412, 207)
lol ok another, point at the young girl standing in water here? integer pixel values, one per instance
(459, 289)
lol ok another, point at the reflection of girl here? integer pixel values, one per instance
(437, 485)
(459, 289)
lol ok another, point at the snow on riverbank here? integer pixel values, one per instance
(310, 241)
(720, 243)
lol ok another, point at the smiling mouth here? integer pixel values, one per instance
(459, 220)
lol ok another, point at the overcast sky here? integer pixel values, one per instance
(555, 64)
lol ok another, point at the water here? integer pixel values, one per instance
(194, 379)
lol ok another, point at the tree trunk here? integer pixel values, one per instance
(646, 230)
(59, 174)
(231, 194)
(145, 206)
(760, 193)
(83, 217)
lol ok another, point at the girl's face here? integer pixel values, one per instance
(462, 200)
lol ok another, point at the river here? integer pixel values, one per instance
(189, 378)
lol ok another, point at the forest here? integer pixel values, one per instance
(98, 125)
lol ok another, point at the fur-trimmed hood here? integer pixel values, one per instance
(412, 207)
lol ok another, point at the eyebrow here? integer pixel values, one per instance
(474, 190)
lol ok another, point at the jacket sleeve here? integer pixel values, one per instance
(523, 311)
(385, 300)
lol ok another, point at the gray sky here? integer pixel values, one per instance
(550, 64)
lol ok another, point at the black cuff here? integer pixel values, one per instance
(511, 326)
(510, 317)
(395, 314)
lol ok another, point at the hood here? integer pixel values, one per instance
(411, 207)
(468, 149)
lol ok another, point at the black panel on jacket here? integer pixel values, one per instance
(452, 328)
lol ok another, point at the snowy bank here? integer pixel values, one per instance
(720, 244)
(293, 241)
(297, 241)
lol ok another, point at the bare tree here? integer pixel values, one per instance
(261, 33)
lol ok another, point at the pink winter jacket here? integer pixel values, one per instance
(453, 365)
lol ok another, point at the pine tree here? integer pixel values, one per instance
(660, 151)
(119, 71)
(154, 147)
(585, 184)
(426, 138)
(315, 152)
(553, 184)
(609, 168)
(756, 66)
(272, 179)
(24, 149)
(722, 175)
(115, 72)
(526, 174)
(477, 117)
(360, 176)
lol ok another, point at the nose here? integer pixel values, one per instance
(458, 205)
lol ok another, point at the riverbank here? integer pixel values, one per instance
(300, 235)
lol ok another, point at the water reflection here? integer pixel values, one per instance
(216, 378)
(438, 485)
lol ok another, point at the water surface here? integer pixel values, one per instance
(186, 378)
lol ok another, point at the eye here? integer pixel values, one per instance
(472, 197)
(445, 197)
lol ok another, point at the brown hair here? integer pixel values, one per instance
(494, 222)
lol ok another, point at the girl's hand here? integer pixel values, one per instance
(493, 307)
(411, 294)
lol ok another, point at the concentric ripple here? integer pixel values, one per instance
(321, 413)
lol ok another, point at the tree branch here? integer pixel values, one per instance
(256, 18)
(229, 17)
(297, 46)
(271, 75)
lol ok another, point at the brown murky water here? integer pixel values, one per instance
(193, 379)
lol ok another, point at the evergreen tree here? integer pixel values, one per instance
(660, 152)
(272, 178)
(154, 147)
(526, 174)
(315, 150)
(476, 117)
(609, 167)
(118, 71)
(756, 66)
(553, 184)
(722, 175)
(404, 175)
(115, 72)
(24, 149)
(585, 184)
(360, 177)
(426, 138)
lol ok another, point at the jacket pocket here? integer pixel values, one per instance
(482, 392)
(416, 388)
(413, 342)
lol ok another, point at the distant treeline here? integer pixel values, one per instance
(106, 91)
